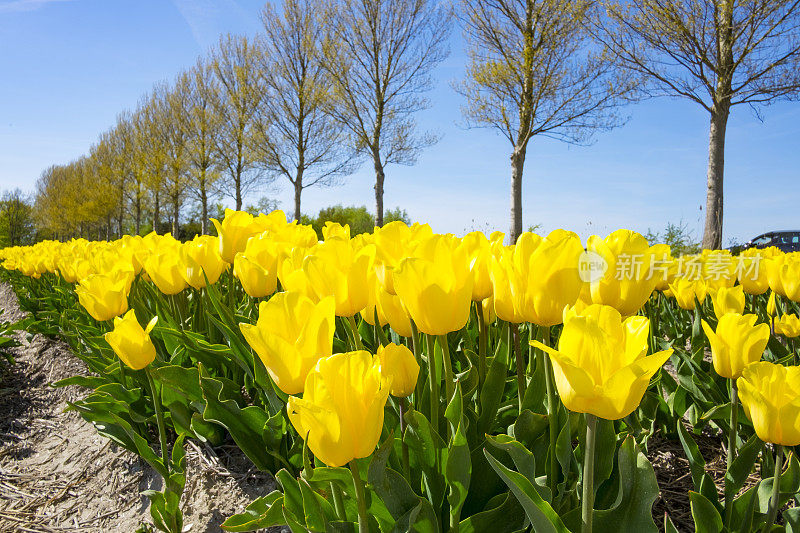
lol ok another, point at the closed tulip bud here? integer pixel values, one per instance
(629, 278)
(256, 280)
(771, 307)
(487, 311)
(783, 272)
(339, 268)
(200, 255)
(340, 415)
(400, 366)
(292, 333)
(686, 290)
(788, 326)
(165, 270)
(752, 271)
(728, 300)
(105, 296)
(236, 228)
(436, 286)
(130, 342)
(479, 252)
(390, 311)
(736, 343)
(505, 279)
(601, 365)
(770, 395)
(550, 277)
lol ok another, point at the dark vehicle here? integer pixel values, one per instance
(786, 241)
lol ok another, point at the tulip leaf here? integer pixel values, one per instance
(316, 510)
(492, 392)
(669, 527)
(702, 481)
(524, 461)
(263, 512)
(420, 519)
(429, 451)
(244, 425)
(507, 517)
(528, 427)
(391, 487)
(792, 519)
(458, 468)
(541, 515)
(789, 486)
(743, 465)
(705, 514)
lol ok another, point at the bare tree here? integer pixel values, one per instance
(533, 70)
(235, 66)
(200, 125)
(716, 53)
(295, 137)
(379, 56)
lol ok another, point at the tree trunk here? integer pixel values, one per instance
(298, 188)
(517, 165)
(379, 179)
(238, 183)
(204, 202)
(712, 236)
(156, 211)
(138, 213)
(121, 211)
(176, 209)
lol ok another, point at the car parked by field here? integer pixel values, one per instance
(786, 240)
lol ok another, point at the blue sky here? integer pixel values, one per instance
(69, 66)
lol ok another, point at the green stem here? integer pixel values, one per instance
(379, 333)
(732, 438)
(354, 329)
(403, 445)
(776, 490)
(162, 431)
(520, 362)
(482, 344)
(449, 379)
(416, 346)
(363, 526)
(552, 471)
(434, 384)
(338, 501)
(587, 502)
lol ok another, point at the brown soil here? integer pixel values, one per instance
(57, 474)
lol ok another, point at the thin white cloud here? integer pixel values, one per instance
(204, 18)
(16, 6)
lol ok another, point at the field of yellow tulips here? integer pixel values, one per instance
(404, 380)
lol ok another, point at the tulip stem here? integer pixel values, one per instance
(776, 490)
(552, 471)
(587, 503)
(354, 329)
(732, 438)
(449, 383)
(416, 343)
(482, 343)
(520, 362)
(338, 501)
(406, 464)
(363, 526)
(434, 384)
(162, 431)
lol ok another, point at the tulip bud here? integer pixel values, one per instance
(737, 342)
(400, 366)
(771, 399)
(788, 326)
(200, 256)
(105, 296)
(728, 300)
(130, 342)
(236, 228)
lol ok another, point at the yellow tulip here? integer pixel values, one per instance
(685, 290)
(487, 311)
(130, 342)
(600, 366)
(339, 268)
(256, 280)
(718, 269)
(736, 343)
(550, 277)
(341, 412)
(788, 326)
(166, 271)
(391, 247)
(785, 274)
(770, 395)
(436, 286)
(236, 228)
(728, 300)
(400, 366)
(752, 271)
(771, 307)
(292, 333)
(334, 230)
(505, 279)
(105, 296)
(630, 276)
(390, 311)
(201, 255)
(479, 252)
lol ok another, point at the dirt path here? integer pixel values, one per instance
(57, 474)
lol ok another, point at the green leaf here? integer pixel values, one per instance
(743, 465)
(492, 392)
(264, 512)
(507, 517)
(458, 467)
(705, 514)
(702, 481)
(542, 517)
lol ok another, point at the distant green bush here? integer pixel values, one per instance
(359, 218)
